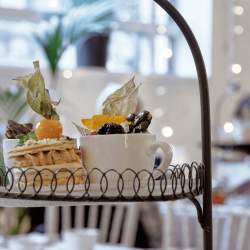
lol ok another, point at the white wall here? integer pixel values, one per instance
(229, 48)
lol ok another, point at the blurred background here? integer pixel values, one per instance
(88, 48)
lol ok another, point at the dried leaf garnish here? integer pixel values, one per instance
(37, 95)
(83, 131)
(123, 101)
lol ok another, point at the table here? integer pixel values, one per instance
(59, 246)
(114, 247)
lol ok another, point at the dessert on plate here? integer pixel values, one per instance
(118, 141)
(116, 144)
(48, 156)
(119, 114)
(43, 152)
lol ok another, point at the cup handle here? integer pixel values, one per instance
(167, 156)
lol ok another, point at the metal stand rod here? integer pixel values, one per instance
(205, 117)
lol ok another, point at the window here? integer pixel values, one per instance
(145, 40)
(18, 20)
(148, 41)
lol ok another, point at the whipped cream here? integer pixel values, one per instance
(45, 141)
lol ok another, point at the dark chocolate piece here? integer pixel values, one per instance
(15, 129)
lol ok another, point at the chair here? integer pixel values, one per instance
(231, 227)
(177, 225)
(117, 224)
(237, 230)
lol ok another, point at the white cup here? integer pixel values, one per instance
(120, 152)
(80, 239)
(8, 145)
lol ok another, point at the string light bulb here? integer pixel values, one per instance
(161, 90)
(238, 30)
(161, 29)
(236, 68)
(238, 10)
(167, 131)
(228, 127)
(67, 74)
(158, 113)
(167, 53)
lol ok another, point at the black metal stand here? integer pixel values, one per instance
(32, 187)
(205, 118)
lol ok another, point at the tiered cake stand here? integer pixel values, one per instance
(179, 182)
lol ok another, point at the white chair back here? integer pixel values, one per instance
(117, 224)
(231, 227)
(237, 229)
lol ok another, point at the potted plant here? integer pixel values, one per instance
(93, 50)
(12, 107)
(83, 21)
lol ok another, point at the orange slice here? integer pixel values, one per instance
(97, 121)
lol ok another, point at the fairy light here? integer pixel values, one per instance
(161, 90)
(53, 4)
(238, 30)
(238, 10)
(236, 68)
(161, 29)
(158, 113)
(67, 74)
(167, 131)
(228, 127)
(167, 53)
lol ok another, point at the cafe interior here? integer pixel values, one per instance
(124, 125)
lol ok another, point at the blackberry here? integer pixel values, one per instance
(131, 117)
(110, 128)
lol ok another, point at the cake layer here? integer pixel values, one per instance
(64, 173)
(43, 147)
(44, 158)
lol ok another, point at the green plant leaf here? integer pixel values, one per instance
(81, 22)
(23, 138)
(12, 105)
